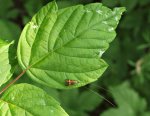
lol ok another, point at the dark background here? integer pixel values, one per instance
(126, 81)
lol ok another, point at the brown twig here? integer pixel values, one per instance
(12, 82)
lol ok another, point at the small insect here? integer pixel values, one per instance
(69, 82)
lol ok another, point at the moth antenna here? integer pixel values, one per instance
(100, 87)
(102, 97)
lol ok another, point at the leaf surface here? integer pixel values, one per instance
(28, 100)
(67, 43)
(5, 66)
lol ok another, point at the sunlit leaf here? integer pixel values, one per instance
(67, 43)
(5, 63)
(28, 100)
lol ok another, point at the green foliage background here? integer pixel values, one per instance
(128, 77)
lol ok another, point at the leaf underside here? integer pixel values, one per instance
(67, 43)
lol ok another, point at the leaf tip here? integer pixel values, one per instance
(120, 10)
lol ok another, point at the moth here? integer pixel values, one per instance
(69, 82)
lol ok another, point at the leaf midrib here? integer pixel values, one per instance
(49, 53)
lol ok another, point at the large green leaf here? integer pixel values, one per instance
(67, 43)
(5, 65)
(28, 100)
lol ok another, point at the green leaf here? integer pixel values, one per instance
(50, 91)
(5, 65)
(9, 31)
(128, 102)
(125, 96)
(28, 100)
(119, 112)
(67, 43)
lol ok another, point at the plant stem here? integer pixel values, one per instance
(12, 82)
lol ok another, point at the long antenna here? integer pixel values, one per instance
(101, 88)
(102, 97)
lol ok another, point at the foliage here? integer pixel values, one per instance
(127, 76)
(88, 100)
(5, 68)
(9, 31)
(128, 100)
(58, 43)
(28, 100)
